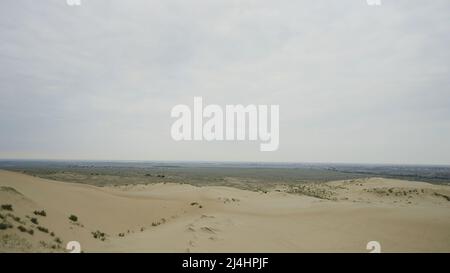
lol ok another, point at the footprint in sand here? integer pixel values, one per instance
(209, 230)
(206, 216)
(191, 229)
(213, 238)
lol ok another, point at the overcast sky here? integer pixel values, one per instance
(355, 83)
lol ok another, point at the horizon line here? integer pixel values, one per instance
(223, 161)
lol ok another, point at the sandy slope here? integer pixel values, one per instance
(401, 215)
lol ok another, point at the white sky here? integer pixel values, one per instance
(354, 83)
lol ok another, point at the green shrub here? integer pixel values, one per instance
(15, 218)
(22, 228)
(99, 235)
(7, 207)
(5, 225)
(42, 229)
(40, 212)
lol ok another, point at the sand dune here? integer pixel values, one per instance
(340, 216)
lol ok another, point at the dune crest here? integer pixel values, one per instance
(339, 216)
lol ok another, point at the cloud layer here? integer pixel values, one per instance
(354, 83)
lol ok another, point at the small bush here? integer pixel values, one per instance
(73, 218)
(42, 229)
(24, 229)
(34, 221)
(5, 225)
(7, 207)
(58, 240)
(99, 235)
(40, 213)
(52, 234)
(15, 218)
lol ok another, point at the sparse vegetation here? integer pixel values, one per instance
(99, 235)
(42, 229)
(443, 196)
(24, 229)
(318, 190)
(34, 221)
(40, 213)
(73, 218)
(15, 218)
(5, 225)
(10, 190)
(50, 245)
(7, 207)
(14, 242)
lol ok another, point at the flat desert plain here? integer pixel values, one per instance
(39, 215)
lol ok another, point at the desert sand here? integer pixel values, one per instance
(339, 216)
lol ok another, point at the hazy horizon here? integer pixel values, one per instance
(57, 160)
(355, 83)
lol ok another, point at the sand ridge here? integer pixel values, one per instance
(339, 216)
